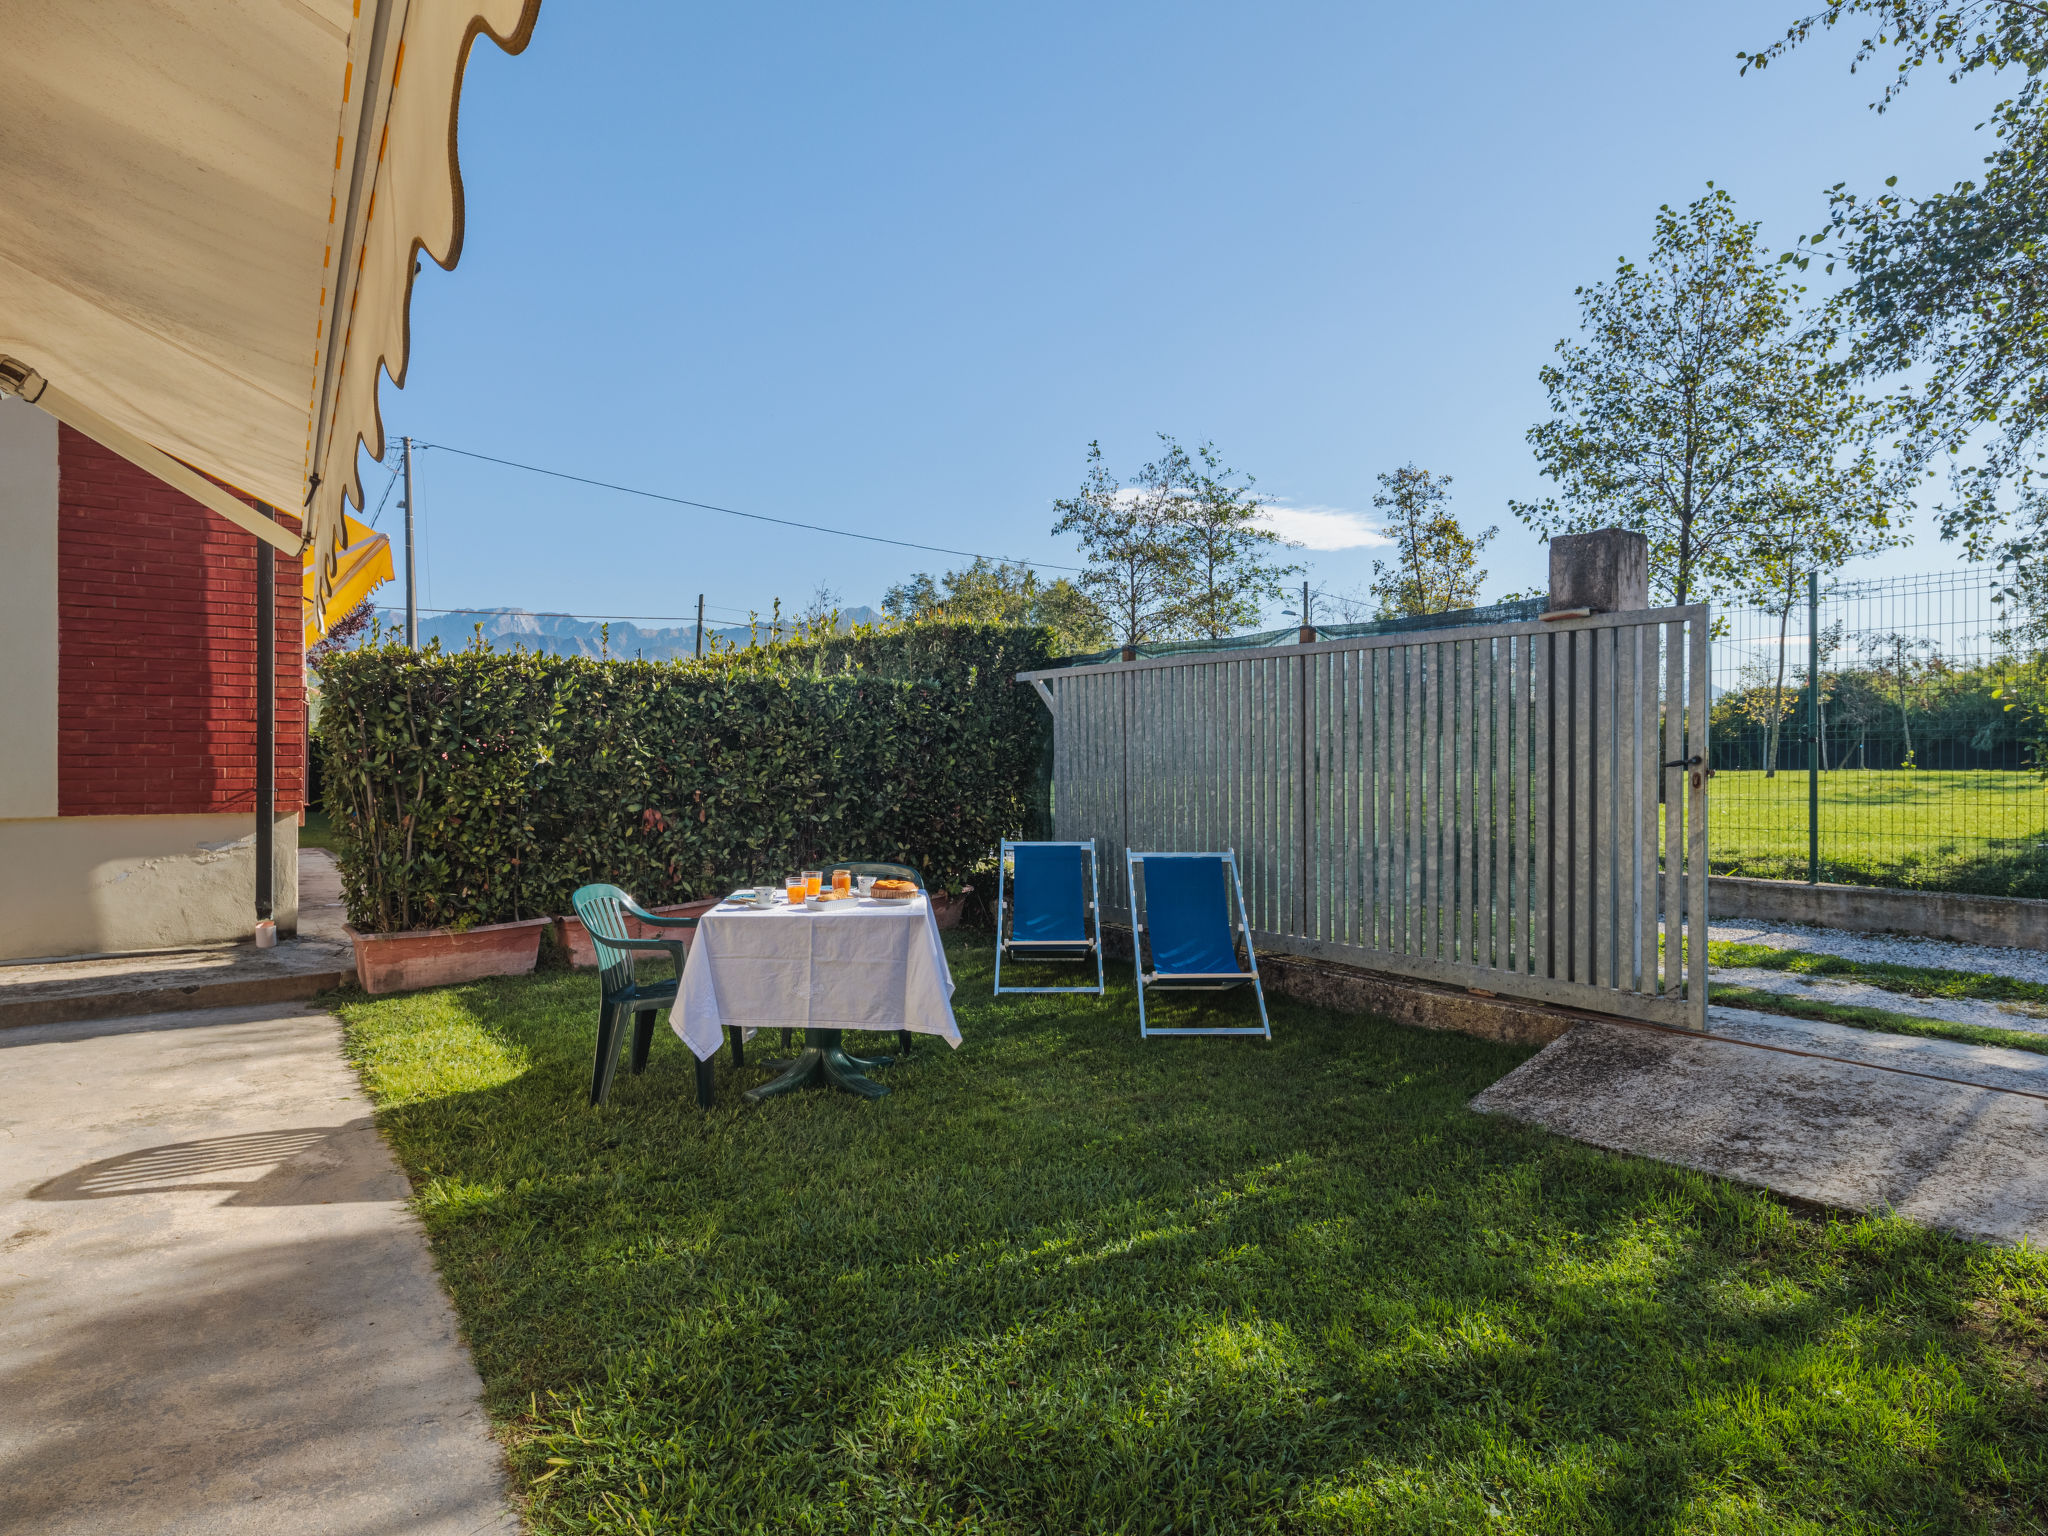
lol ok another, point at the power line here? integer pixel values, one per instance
(705, 506)
(388, 484)
(634, 618)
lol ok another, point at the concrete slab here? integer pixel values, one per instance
(1984, 1066)
(1942, 1133)
(321, 914)
(210, 976)
(217, 1314)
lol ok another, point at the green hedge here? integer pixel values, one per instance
(478, 787)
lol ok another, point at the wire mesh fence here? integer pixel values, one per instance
(1916, 764)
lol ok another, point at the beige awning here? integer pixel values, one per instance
(208, 217)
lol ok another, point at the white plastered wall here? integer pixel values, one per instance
(28, 611)
(81, 885)
(77, 885)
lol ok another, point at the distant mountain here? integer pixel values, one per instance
(557, 634)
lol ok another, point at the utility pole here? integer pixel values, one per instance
(412, 607)
(1308, 628)
(1813, 728)
(700, 623)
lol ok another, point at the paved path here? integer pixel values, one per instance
(202, 976)
(1950, 1135)
(216, 1313)
(1850, 992)
(1898, 949)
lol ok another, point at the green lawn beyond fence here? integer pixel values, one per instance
(1064, 1281)
(1982, 831)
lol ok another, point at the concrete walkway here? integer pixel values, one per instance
(318, 960)
(1950, 1135)
(217, 1314)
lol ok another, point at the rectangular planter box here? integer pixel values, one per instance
(583, 954)
(440, 957)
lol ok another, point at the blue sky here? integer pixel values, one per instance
(891, 268)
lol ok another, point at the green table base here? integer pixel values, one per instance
(825, 1064)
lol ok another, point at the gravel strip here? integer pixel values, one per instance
(1861, 994)
(2019, 964)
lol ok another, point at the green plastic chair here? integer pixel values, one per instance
(603, 910)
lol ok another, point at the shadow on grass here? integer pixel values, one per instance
(1065, 1280)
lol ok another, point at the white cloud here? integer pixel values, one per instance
(1322, 527)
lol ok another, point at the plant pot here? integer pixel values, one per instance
(583, 954)
(440, 957)
(946, 909)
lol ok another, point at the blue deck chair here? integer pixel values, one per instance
(1184, 920)
(1054, 910)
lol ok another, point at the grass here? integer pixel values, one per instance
(1065, 1281)
(1912, 980)
(1982, 831)
(318, 832)
(1883, 1020)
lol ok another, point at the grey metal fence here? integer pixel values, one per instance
(1510, 808)
(1916, 764)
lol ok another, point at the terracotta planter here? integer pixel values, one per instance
(440, 957)
(946, 909)
(583, 954)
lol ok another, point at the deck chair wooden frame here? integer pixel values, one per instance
(1037, 950)
(1144, 938)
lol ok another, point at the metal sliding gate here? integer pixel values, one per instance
(1510, 808)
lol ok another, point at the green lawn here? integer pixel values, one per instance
(1911, 980)
(318, 832)
(1063, 1281)
(1985, 831)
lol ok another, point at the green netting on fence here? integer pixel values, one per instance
(1517, 611)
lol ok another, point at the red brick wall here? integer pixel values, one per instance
(156, 654)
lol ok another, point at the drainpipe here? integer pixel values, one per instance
(266, 732)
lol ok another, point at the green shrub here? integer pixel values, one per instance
(479, 786)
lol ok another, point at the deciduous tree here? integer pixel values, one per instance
(1435, 568)
(1698, 406)
(1230, 573)
(1132, 539)
(1003, 592)
(1954, 283)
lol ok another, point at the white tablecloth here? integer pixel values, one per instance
(852, 964)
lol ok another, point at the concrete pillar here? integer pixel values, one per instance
(1605, 571)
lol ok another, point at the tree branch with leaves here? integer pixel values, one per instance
(1435, 564)
(1698, 405)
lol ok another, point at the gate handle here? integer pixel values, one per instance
(1685, 762)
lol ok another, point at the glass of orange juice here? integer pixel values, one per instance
(793, 889)
(842, 882)
(814, 881)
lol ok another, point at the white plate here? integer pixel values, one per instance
(892, 896)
